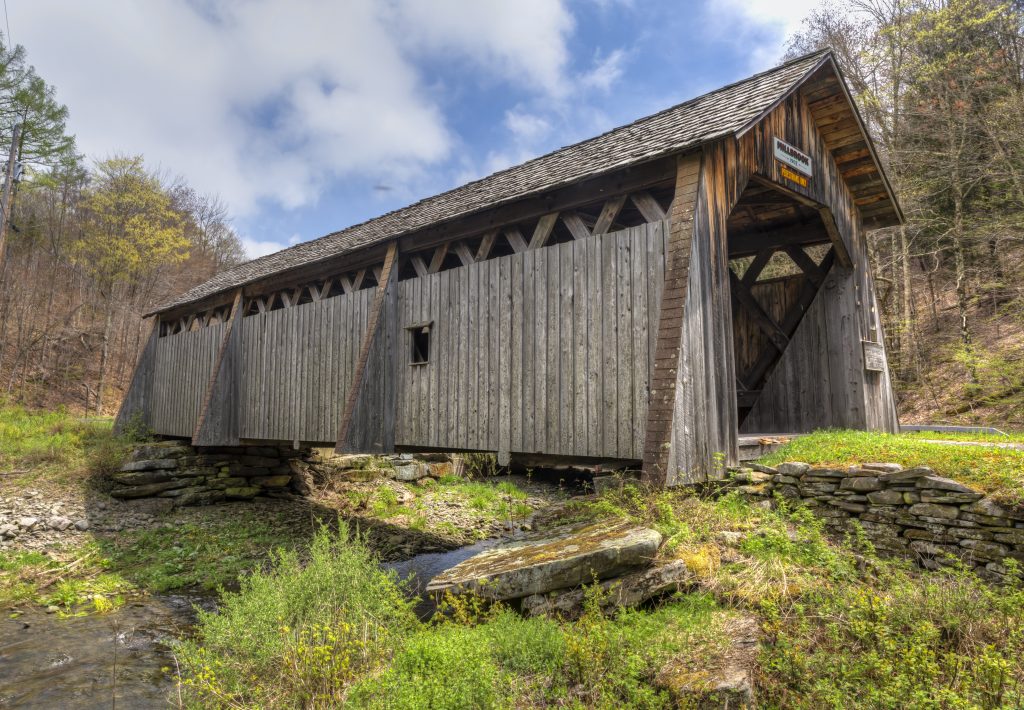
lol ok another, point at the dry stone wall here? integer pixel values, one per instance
(200, 476)
(905, 511)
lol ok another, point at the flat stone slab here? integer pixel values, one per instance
(557, 559)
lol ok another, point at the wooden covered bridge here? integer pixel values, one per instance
(643, 296)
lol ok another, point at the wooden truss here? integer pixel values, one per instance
(777, 333)
(617, 212)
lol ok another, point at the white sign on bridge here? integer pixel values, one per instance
(796, 159)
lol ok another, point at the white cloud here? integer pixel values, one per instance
(606, 72)
(266, 101)
(526, 127)
(525, 38)
(255, 248)
(760, 26)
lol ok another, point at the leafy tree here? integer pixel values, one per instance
(129, 231)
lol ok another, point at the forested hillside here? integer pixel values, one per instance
(941, 85)
(92, 245)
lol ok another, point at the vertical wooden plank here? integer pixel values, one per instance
(578, 376)
(516, 353)
(505, 349)
(638, 281)
(528, 369)
(625, 335)
(542, 412)
(566, 365)
(609, 346)
(595, 340)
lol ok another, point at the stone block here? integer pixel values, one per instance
(1015, 537)
(938, 483)
(793, 468)
(935, 510)
(885, 497)
(259, 461)
(786, 480)
(861, 484)
(948, 498)
(145, 491)
(850, 507)
(409, 472)
(150, 465)
(906, 475)
(882, 467)
(992, 509)
(827, 473)
(986, 550)
(911, 497)
(138, 478)
(241, 492)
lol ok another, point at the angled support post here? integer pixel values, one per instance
(219, 422)
(367, 393)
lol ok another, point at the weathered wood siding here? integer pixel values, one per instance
(181, 375)
(549, 350)
(138, 402)
(775, 296)
(298, 365)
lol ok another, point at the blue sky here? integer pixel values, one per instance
(310, 115)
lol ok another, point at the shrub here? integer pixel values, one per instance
(298, 634)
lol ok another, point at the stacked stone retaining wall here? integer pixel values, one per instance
(200, 476)
(905, 511)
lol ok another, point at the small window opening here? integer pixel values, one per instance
(420, 336)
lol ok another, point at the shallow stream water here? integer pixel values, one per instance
(98, 661)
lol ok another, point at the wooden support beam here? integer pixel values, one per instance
(543, 230)
(486, 244)
(419, 265)
(806, 264)
(346, 284)
(753, 271)
(763, 321)
(648, 206)
(439, 255)
(842, 254)
(364, 350)
(197, 433)
(575, 224)
(747, 243)
(326, 290)
(376, 273)
(463, 252)
(515, 240)
(609, 213)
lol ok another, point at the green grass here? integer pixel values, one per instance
(997, 471)
(56, 447)
(1007, 437)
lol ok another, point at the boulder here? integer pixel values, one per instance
(557, 559)
(272, 481)
(410, 472)
(630, 590)
(726, 681)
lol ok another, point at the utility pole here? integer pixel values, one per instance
(8, 197)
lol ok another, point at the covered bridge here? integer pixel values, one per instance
(644, 296)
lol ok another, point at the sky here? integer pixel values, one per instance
(307, 116)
